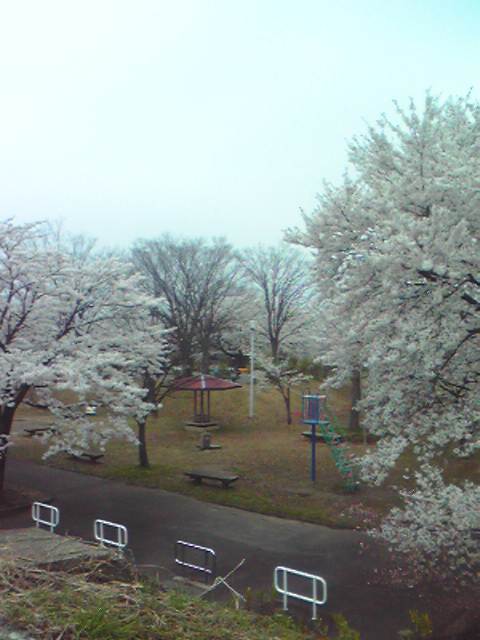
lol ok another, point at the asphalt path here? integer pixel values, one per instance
(156, 519)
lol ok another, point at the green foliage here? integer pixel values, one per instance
(422, 623)
(343, 630)
(100, 623)
(422, 626)
(261, 600)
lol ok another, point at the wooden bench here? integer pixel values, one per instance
(87, 457)
(35, 431)
(319, 437)
(209, 447)
(225, 477)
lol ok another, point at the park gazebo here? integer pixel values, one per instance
(201, 386)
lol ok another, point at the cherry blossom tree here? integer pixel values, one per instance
(70, 321)
(398, 266)
(152, 372)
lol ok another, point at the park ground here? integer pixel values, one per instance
(271, 458)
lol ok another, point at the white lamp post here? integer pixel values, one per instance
(252, 370)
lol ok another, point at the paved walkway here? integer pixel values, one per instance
(156, 519)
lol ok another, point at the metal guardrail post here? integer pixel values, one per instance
(179, 552)
(54, 515)
(121, 540)
(283, 590)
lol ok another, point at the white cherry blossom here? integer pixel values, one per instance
(398, 269)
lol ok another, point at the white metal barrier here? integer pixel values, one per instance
(52, 513)
(209, 557)
(280, 579)
(121, 533)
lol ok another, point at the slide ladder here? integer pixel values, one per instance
(340, 455)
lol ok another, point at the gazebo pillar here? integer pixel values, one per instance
(202, 408)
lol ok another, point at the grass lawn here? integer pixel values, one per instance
(87, 604)
(271, 458)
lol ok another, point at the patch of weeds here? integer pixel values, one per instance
(99, 622)
(261, 600)
(343, 630)
(178, 600)
(421, 626)
(76, 607)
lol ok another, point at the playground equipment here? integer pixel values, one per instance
(314, 414)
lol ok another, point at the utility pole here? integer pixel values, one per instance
(252, 370)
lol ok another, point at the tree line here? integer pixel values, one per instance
(210, 293)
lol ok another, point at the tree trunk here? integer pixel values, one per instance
(286, 399)
(187, 367)
(3, 464)
(142, 444)
(274, 347)
(354, 421)
(205, 366)
(185, 358)
(6, 420)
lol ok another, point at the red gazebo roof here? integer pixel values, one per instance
(203, 382)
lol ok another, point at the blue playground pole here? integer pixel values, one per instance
(311, 416)
(313, 464)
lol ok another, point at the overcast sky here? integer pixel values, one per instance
(127, 119)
